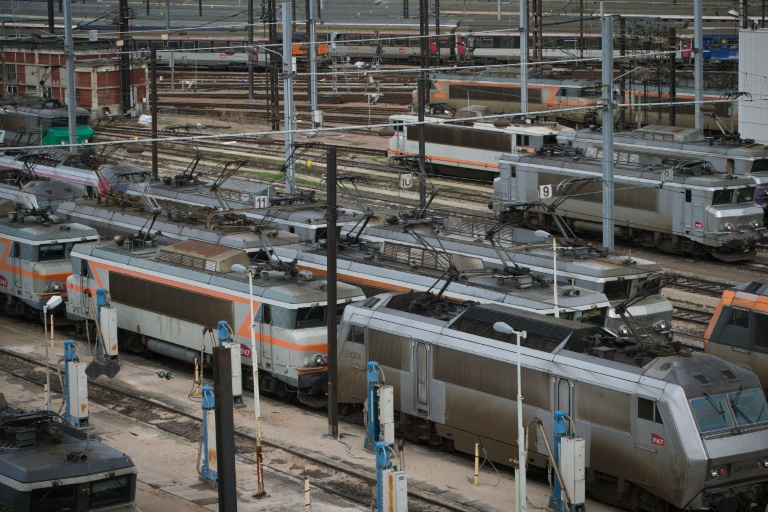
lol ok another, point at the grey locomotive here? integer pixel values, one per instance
(663, 428)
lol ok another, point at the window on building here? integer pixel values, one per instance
(10, 73)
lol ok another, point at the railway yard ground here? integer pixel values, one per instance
(164, 445)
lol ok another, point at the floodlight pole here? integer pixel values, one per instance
(290, 171)
(69, 51)
(698, 64)
(607, 126)
(520, 485)
(255, 375)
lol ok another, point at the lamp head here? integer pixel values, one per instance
(733, 12)
(53, 302)
(541, 234)
(503, 328)
(240, 269)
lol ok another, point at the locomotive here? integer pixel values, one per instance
(32, 121)
(166, 294)
(737, 331)
(684, 208)
(49, 465)
(466, 149)
(663, 428)
(35, 262)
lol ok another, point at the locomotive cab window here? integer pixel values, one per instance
(748, 407)
(711, 413)
(647, 410)
(722, 197)
(760, 165)
(356, 334)
(396, 124)
(761, 327)
(739, 318)
(51, 252)
(745, 195)
(110, 491)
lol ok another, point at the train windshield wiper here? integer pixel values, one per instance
(735, 404)
(714, 404)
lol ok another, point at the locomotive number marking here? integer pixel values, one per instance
(406, 180)
(545, 192)
(352, 355)
(260, 202)
(657, 440)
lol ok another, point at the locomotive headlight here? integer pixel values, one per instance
(318, 359)
(661, 325)
(58, 287)
(729, 226)
(624, 330)
(760, 464)
(719, 472)
(754, 224)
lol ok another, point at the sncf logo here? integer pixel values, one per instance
(3, 281)
(657, 440)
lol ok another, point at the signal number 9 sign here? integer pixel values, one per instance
(545, 192)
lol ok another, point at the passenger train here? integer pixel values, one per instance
(663, 429)
(166, 295)
(684, 209)
(33, 121)
(738, 331)
(402, 44)
(35, 263)
(49, 465)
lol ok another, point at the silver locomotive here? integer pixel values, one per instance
(663, 428)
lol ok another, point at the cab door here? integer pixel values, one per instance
(421, 376)
(16, 264)
(264, 328)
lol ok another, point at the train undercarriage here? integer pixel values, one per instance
(735, 250)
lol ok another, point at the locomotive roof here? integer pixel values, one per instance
(647, 174)
(673, 139)
(114, 218)
(210, 265)
(46, 459)
(567, 341)
(758, 287)
(701, 373)
(543, 332)
(35, 229)
(482, 286)
(534, 255)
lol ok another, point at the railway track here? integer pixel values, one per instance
(348, 481)
(696, 316)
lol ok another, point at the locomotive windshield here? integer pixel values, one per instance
(711, 413)
(718, 412)
(722, 197)
(748, 407)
